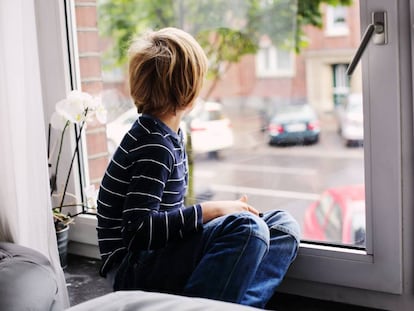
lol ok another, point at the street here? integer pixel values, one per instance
(273, 177)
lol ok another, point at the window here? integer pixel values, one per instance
(322, 209)
(273, 62)
(266, 172)
(340, 83)
(336, 21)
(334, 224)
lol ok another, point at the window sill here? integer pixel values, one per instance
(83, 237)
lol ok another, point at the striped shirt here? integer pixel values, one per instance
(141, 197)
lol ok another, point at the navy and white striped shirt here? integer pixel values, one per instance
(141, 198)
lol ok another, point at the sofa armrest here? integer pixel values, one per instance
(27, 281)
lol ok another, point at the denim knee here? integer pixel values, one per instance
(253, 225)
(283, 221)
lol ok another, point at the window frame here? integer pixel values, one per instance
(357, 276)
(320, 271)
(273, 70)
(332, 28)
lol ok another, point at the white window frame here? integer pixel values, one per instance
(374, 277)
(369, 278)
(59, 76)
(267, 65)
(57, 72)
(334, 28)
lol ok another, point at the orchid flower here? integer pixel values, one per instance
(91, 196)
(77, 108)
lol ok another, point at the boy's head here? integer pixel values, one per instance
(166, 71)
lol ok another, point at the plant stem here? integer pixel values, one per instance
(71, 161)
(53, 186)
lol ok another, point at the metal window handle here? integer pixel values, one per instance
(377, 29)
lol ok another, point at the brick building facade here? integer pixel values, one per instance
(310, 78)
(89, 58)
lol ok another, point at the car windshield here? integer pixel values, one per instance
(288, 112)
(358, 213)
(211, 115)
(207, 111)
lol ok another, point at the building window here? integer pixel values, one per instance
(272, 62)
(340, 83)
(336, 21)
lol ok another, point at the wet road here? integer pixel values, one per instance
(288, 178)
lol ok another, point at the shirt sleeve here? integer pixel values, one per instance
(145, 225)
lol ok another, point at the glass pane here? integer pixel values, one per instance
(277, 120)
(284, 59)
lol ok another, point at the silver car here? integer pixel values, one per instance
(351, 120)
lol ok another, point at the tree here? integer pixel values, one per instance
(226, 29)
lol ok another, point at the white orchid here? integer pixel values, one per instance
(58, 121)
(91, 196)
(77, 108)
(101, 113)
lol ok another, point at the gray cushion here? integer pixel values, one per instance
(27, 280)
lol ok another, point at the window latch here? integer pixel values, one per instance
(376, 30)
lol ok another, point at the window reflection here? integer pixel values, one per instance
(338, 217)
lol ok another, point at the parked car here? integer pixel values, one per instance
(351, 120)
(211, 130)
(337, 217)
(294, 124)
(116, 129)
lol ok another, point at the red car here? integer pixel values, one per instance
(337, 217)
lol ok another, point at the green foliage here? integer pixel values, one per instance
(121, 20)
(309, 10)
(226, 29)
(309, 13)
(224, 44)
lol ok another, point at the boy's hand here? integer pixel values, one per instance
(214, 209)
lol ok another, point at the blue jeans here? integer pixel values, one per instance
(237, 258)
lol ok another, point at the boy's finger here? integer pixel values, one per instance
(244, 198)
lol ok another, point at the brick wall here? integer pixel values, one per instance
(91, 82)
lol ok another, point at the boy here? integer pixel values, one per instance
(148, 239)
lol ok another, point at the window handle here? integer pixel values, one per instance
(378, 30)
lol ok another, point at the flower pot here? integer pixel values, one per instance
(62, 236)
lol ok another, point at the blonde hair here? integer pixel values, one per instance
(166, 71)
